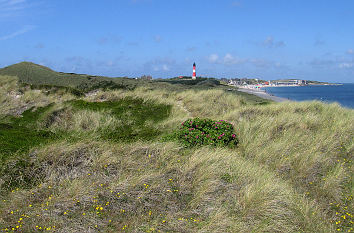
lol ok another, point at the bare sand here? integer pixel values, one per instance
(263, 95)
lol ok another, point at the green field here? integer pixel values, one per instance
(107, 161)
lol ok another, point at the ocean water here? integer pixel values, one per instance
(342, 94)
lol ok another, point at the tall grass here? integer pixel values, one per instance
(15, 98)
(211, 103)
(159, 187)
(291, 171)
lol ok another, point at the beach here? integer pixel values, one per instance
(263, 94)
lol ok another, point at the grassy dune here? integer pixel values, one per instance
(291, 171)
(43, 77)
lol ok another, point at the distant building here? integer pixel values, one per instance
(291, 82)
(146, 77)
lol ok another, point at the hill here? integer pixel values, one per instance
(109, 162)
(39, 76)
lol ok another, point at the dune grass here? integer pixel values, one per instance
(17, 135)
(15, 98)
(136, 117)
(291, 170)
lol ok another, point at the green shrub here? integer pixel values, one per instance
(207, 132)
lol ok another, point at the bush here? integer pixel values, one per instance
(207, 132)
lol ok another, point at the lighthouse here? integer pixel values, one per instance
(194, 72)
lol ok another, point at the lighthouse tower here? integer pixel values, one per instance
(194, 72)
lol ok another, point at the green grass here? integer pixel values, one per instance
(290, 172)
(37, 75)
(18, 135)
(137, 117)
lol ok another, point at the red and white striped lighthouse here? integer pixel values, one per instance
(194, 72)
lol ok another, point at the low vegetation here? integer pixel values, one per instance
(19, 134)
(132, 118)
(101, 162)
(197, 131)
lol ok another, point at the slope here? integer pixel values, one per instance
(37, 75)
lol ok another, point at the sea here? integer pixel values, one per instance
(342, 94)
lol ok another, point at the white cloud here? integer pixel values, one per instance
(165, 67)
(271, 43)
(110, 63)
(350, 51)
(236, 3)
(25, 29)
(231, 60)
(333, 62)
(11, 3)
(39, 46)
(110, 39)
(319, 42)
(346, 65)
(213, 58)
(139, 1)
(277, 64)
(159, 64)
(191, 49)
(10, 8)
(228, 58)
(157, 38)
(262, 63)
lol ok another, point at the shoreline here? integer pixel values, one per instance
(263, 95)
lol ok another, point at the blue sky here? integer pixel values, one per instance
(305, 39)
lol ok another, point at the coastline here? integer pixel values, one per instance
(263, 95)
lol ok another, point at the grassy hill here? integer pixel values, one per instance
(39, 76)
(106, 162)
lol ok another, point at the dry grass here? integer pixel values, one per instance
(290, 173)
(84, 121)
(158, 187)
(178, 113)
(14, 99)
(211, 103)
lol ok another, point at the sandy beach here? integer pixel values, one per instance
(263, 95)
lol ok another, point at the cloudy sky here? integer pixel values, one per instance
(305, 39)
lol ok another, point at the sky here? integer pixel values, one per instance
(272, 39)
